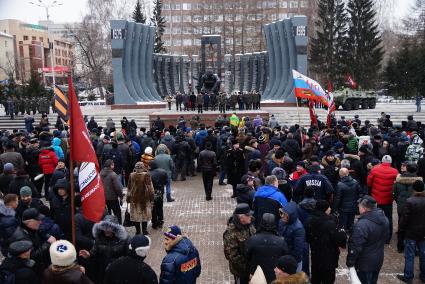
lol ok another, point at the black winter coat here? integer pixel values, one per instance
(20, 181)
(367, 241)
(264, 249)
(347, 193)
(159, 180)
(130, 270)
(35, 203)
(245, 194)
(293, 149)
(83, 232)
(105, 250)
(324, 239)
(23, 269)
(8, 225)
(207, 161)
(235, 166)
(412, 218)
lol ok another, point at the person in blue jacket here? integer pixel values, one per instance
(291, 228)
(182, 264)
(268, 199)
(56, 145)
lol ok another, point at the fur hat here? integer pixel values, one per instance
(62, 253)
(140, 245)
(148, 150)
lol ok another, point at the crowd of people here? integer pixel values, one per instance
(222, 102)
(298, 192)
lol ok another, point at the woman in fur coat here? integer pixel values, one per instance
(140, 196)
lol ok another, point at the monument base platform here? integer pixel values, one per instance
(208, 118)
(277, 104)
(153, 105)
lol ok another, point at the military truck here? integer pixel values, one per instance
(354, 99)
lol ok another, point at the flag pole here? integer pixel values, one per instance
(71, 162)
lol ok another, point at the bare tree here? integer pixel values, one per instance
(9, 67)
(93, 42)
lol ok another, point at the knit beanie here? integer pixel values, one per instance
(25, 191)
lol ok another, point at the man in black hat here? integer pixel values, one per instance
(367, 241)
(239, 229)
(265, 247)
(18, 266)
(323, 188)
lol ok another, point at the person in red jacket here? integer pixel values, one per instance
(380, 181)
(47, 160)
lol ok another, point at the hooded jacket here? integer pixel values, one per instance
(267, 199)
(8, 224)
(23, 269)
(402, 189)
(56, 145)
(130, 269)
(164, 160)
(367, 241)
(61, 208)
(182, 264)
(105, 250)
(293, 231)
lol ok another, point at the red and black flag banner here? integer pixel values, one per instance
(61, 103)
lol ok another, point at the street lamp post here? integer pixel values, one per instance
(46, 6)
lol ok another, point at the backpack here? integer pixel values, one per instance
(414, 152)
(7, 277)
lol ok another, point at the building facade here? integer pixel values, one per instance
(239, 22)
(32, 53)
(7, 56)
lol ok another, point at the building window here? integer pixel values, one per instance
(34, 38)
(187, 42)
(186, 18)
(304, 4)
(166, 6)
(186, 6)
(293, 4)
(283, 4)
(178, 6)
(177, 18)
(283, 15)
(25, 37)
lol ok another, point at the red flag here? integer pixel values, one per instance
(81, 150)
(351, 81)
(313, 117)
(330, 89)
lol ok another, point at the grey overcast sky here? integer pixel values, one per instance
(72, 10)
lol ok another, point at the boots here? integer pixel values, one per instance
(169, 199)
(145, 228)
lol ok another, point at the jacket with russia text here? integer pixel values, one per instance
(182, 264)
